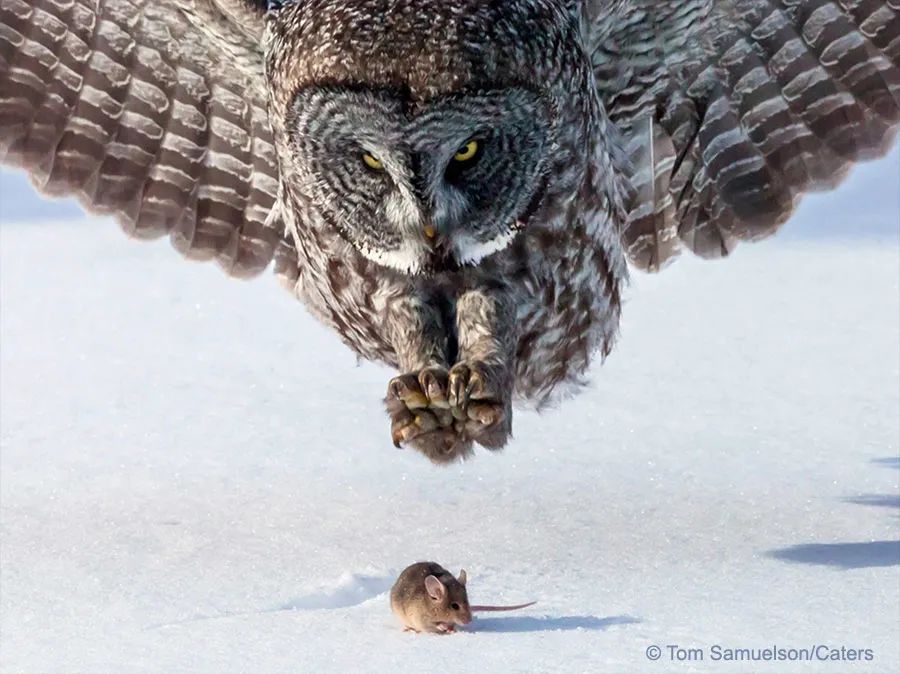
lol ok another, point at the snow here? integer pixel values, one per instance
(197, 477)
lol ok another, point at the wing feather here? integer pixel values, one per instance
(153, 111)
(733, 109)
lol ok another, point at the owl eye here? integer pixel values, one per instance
(372, 162)
(467, 152)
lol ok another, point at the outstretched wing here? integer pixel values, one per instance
(153, 111)
(732, 109)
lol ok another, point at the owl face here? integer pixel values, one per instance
(421, 187)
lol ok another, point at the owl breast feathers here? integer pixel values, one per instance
(455, 187)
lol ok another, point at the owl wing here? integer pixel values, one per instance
(732, 109)
(153, 111)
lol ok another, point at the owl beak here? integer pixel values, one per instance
(432, 236)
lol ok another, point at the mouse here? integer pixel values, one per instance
(428, 598)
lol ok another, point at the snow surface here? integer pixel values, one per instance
(197, 477)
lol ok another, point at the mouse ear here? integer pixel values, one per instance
(435, 588)
(462, 577)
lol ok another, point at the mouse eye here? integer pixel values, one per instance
(454, 606)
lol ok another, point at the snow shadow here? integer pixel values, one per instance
(842, 555)
(550, 624)
(877, 500)
(888, 461)
(350, 590)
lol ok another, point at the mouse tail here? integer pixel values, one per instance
(478, 609)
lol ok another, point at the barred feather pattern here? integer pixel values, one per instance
(733, 109)
(153, 111)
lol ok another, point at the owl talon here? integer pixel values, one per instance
(405, 429)
(478, 404)
(406, 389)
(440, 414)
(423, 418)
(485, 414)
(433, 382)
(457, 394)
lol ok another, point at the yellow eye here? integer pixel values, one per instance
(467, 152)
(372, 162)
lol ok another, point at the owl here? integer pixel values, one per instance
(456, 187)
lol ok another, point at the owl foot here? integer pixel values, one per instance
(479, 400)
(421, 416)
(440, 414)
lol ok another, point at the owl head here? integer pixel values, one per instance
(416, 129)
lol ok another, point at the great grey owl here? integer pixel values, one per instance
(454, 186)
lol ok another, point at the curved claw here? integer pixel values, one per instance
(406, 389)
(486, 414)
(403, 429)
(440, 413)
(480, 404)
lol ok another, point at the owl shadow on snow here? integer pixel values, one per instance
(853, 555)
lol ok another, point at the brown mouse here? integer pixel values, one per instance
(427, 598)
